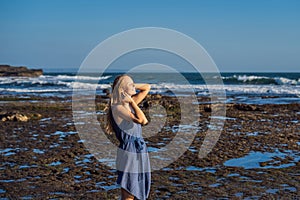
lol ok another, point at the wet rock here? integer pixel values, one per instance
(216, 107)
(207, 108)
(16, 116)
(246, 107)
(29, 174)
(146, 104)
(106, 91)
(35, 116)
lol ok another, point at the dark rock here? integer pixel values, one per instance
(146, 104)
(246, 107)
(106, 91)
(7, 70)
(207, 108)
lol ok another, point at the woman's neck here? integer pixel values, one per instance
(126, 105)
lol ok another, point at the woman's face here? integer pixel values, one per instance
(129, 86)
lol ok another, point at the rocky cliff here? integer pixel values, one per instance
(7, 70)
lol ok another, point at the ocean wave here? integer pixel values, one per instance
(66, 77)
(80, 85)
(165, 89)
(234, 84)
(286, 81)
(52, 80)
(46, 80)
(26, 81)
(200, 90)
(252, 79)
(27, 90)
(230, 89)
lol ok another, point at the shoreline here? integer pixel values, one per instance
(45, 158)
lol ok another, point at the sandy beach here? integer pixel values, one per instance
(257, 155)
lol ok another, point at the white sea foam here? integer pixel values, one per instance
(177, 88)
(65, 84)
(245, 78)
(232, 89)
(277, 80)
(65, 77)
(286, 81)
(46, 79)
(79, 85)
(26, 90)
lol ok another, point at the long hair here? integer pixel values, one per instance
(116, 97)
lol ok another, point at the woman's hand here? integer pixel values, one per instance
(145, 122)
(126, 98)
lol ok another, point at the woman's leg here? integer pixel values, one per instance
(126, 195)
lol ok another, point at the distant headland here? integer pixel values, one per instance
(7, 70)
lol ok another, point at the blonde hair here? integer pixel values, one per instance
(116, 97)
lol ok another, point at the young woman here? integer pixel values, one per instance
(125, 119)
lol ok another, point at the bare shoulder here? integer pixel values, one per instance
(117, 108)
(120, 112)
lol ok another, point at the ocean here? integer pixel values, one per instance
(252, 88)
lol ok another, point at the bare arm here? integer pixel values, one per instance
(139, 114)
(144, 90)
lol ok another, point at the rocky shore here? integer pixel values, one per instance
(257, 155)
(7, 70)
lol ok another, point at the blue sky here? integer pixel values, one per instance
(245, 36)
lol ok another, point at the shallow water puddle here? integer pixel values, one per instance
(222, 117)
(11, 151)
(55, 163)
(288, 187)
(38, 151)
(263, 101)
(153, 149)
(12, 180)
(82, 160)
(107, 187)
(255, 159)
(186, 128)
(193, 149)
(215, 185)
(249, 179)
(27, 166)
(217, 126)
(45, 119)
(255, 133)
(108, 161)
(272, 190)
(192, 168)
(64, 134)
(153, 153)
(205, 169)
(74, 123)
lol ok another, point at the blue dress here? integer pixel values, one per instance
(133, 165)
